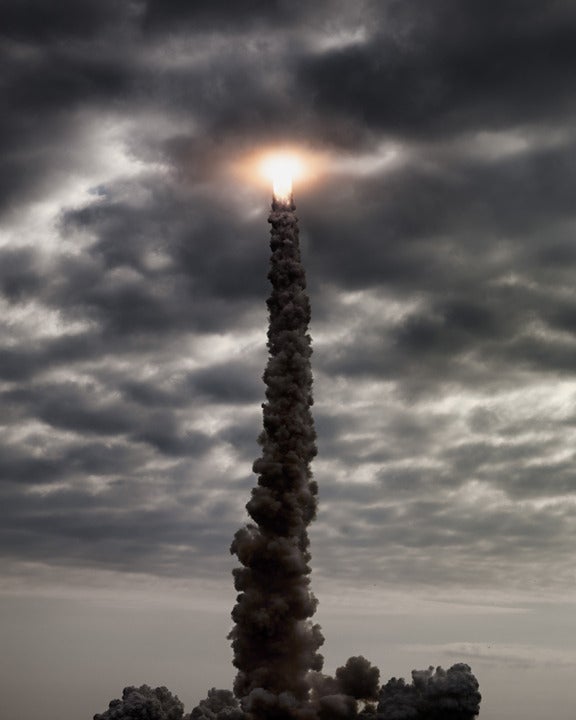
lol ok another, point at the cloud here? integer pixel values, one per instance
(157, 703)
(510, 655)
(133, 277)
(51, 86)
(33, 21)
(434, 73)
(438, 242)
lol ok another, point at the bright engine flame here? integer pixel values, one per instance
(282, 170)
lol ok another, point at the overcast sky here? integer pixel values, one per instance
(440, 252)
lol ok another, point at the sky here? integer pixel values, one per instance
(437, 235)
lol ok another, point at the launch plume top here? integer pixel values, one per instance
(281, 170)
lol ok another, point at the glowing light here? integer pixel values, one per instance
(280, 166)
(282, 170)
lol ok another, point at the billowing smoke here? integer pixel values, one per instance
(144, 703)
(433, 695)
(274, 641)
(219, 705)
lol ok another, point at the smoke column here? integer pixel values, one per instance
(274, 642)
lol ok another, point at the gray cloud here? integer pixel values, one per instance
(448, 70)
(441, 281)
(438, 243)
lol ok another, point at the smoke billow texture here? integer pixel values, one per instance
(144, 703)
(433, 695)
(274, 641)
(219, 705)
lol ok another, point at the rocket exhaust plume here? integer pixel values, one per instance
(282, 170)
(274, 642)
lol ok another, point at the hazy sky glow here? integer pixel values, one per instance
(437, 228)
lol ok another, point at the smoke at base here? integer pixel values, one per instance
(275, 644)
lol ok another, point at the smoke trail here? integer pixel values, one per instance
(274, 642)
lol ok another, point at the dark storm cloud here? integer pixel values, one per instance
(147, 394)
(63, 78)
(17, 364)
(21, 467)
(162, 432)
(48, 89)
(127, 525)
(133, 278)
(204, 261)
(61, 463)
(220, 14)
(79, 408)
(503, 531)
(450, 68)
(35, 20)
(460, 250)
(129, 312)
(436, 542)
(72, 407)
(229, 383)
(234, 383)
(241, 86)
(231, 121)
(472, 314)
(19, 275)
(25, 360)
(448, 222)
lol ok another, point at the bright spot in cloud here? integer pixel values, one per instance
(282, 169)
(280, 166)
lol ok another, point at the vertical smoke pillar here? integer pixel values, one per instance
(274, 641)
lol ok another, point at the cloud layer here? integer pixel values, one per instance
(133, 277)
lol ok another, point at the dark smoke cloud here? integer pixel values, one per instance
(359, 679)
(274, 643)
(144, 703)
(433, 695)
(218, 705)
(339, 707)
